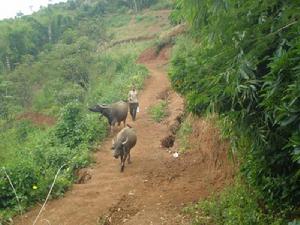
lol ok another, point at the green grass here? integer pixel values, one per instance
(162, 4)
(118, 20)
(147, 19)
(183, 134)
(236, 205)
(158, 111)
(142, 24)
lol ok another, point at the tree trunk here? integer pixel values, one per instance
(49, 33)
(8, 63)
(135, 6)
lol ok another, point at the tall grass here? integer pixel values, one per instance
(158, 111)
(236, 205)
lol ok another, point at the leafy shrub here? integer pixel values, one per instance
(72, 93)
(176, 16)
(39, 154)
(139, 18)
(118, 20)
(61, 78)
(158, 111)
(162, 5)
(294, 222)
(163, 42)
(245, 68)
(235, 206)
(183, 134)
(73, 129)
(70, 129)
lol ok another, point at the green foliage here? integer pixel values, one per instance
(73, 129)
(246, 68)
(138, 5)
(31, 34)
(162, 43)
(35, 156)
(139, 18)
(176, 16)
(162, 4)
(158, 111)
(183, 134)
(144, 18)
(118, 20)
(294, 222)
(58, 71)
(118, 72)
(235, 206)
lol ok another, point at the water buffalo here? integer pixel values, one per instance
(115, 113)
(121, 145)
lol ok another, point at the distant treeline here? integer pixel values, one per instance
(28, 35)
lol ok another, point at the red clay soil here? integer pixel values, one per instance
(37, 118)
(156, 186)
(151, 55)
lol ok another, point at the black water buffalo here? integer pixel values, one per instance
(121, 145)
(115, 113)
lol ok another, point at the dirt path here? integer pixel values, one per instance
(153, 189)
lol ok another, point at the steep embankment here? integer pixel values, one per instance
(155, 187)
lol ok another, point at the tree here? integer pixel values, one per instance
(75, 71)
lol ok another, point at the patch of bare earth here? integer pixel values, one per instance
(37, 118)
(156, 186)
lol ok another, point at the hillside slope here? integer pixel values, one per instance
(156, 186)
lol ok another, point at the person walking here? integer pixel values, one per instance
(133, 102)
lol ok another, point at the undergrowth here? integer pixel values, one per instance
(31, 154)
(183, 134)
(158, 111)
(59, 71)
(240, 60)
(236, 205)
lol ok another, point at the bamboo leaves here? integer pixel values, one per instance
(247, 69)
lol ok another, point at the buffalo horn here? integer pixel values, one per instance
(103, 106)
(125, 141)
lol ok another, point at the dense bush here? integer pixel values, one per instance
(62, 82)
(35, 159)
(33, 156)
(241, 60)
(235, 206)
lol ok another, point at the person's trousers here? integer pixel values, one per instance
(132, 109)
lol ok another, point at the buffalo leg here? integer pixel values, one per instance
(121, 159)
(134, 109)
(122, 166)
(123, 163)
(128, 160)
